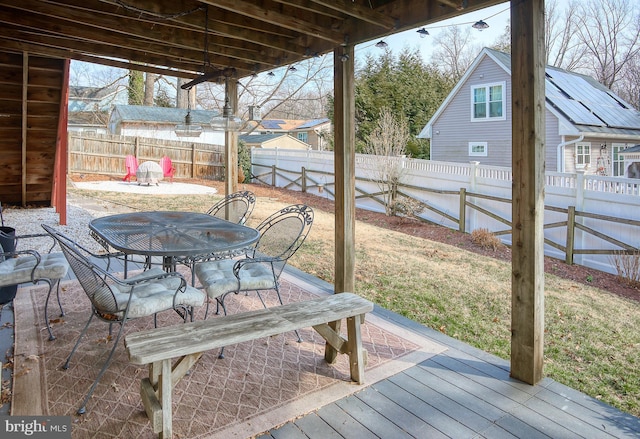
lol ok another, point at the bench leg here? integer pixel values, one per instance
(331, 352)
(164, 395)
(356, 353)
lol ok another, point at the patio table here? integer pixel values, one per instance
(171, 235)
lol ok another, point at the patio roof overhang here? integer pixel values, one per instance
(243, 37)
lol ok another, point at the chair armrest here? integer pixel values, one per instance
(239, 265)
(36, 235)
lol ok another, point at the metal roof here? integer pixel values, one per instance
(140, 113)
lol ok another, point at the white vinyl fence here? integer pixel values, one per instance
(589, 220)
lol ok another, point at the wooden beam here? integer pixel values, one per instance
(344, 108)
(269, 15)
(25, 87)
(528, 114)
(231, 141)
(345, 181)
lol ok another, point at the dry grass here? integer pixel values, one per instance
(592, 339)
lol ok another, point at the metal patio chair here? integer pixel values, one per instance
(29, 266)
(237, 208)
(114, 300)
(281, 235)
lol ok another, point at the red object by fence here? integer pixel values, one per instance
(167, 167)
(131, 163)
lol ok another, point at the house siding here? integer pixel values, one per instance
(453, 130)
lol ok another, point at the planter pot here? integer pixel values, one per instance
(8, 242)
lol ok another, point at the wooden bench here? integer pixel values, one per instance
(187, 342)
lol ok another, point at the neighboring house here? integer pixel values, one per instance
(89, 107)
(587, 125)
(631, 160)
(313, 132)
(88, 122)
(161, 123)
(271, 141)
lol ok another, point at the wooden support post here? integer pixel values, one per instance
(528, 134)
(344, 110)
(231, 141)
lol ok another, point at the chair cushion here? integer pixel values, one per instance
(15, 271)
(217, 277)
(154, 295)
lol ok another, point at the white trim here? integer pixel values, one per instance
(483, 153)
(487, 87)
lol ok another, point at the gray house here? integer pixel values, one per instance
(587, 125)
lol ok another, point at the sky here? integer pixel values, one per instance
(497, 17)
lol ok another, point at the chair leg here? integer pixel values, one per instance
(73, 351)
(277, 288)
(46, 309)
(83, 408)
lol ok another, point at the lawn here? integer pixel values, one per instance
(592, 338)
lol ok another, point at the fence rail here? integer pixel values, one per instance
(106, 153)
(589, 220)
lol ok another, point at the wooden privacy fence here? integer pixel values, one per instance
(106, 153)
(596, 230)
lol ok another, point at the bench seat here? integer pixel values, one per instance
(187, 342)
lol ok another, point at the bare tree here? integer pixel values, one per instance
(563, 50)
(455, 51)
(610, 31)
(149, 88)
(388, 143)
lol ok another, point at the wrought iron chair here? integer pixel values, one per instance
(114, 300)
(24, 266)
(237, 208)
(281, 235)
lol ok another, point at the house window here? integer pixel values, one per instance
(487, 102)
(478, 149)
(303, 136)
(618, 160)
(583, 155)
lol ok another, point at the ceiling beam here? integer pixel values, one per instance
(272, 16)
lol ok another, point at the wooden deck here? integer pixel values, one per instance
(460, 393)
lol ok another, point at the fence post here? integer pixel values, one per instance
(273, 175)
(571, 230)
(303, 183)
(135, 147)
(463, 210)
(193, 160)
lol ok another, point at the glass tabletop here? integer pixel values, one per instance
(172, 233)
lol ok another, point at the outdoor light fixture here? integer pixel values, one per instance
(480, 25)
(344, 57)
(227, 121)
(382, 44)
(293, 69)
(271, 74)
(423, 32)
(188, 129)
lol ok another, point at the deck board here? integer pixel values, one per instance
(344, 424)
